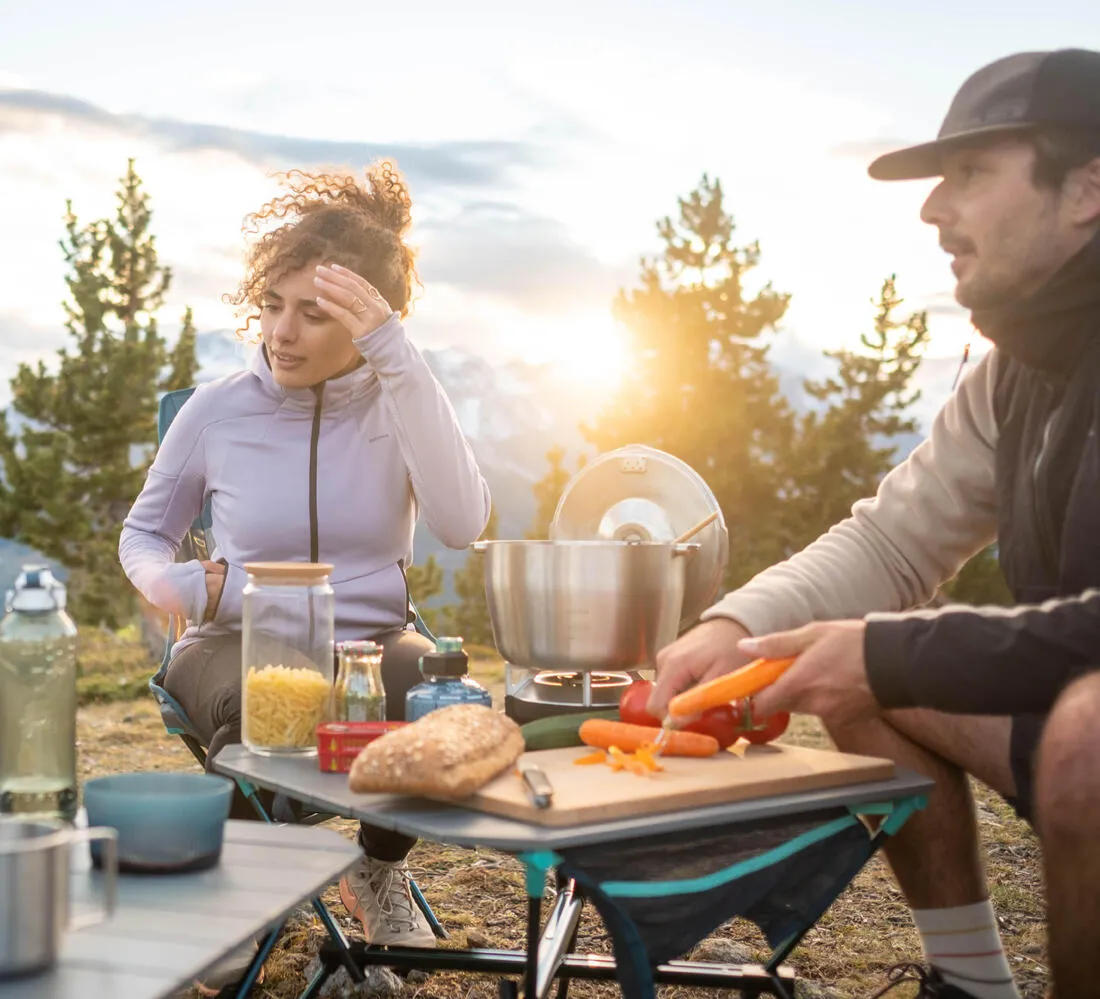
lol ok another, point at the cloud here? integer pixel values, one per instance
(868, 149)
(506, 251)
(943, 303)
(464, 164)
(25, 342)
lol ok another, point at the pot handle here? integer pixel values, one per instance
(686, 548)
(109, 856)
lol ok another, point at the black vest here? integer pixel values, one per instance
(1048, 478)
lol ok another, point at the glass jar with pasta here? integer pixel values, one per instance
(287, 656)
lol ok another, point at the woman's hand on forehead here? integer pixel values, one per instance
(350, 299)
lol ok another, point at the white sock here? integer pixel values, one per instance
(964, 945)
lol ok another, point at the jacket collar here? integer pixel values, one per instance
(1050, 330)
(338, 392)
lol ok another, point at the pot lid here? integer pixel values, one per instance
(638, 493)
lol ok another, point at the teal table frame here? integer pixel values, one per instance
(548, 953)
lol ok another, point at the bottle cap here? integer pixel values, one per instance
(36, 591)
(448, 659)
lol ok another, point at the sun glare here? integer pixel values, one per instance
(591, 349)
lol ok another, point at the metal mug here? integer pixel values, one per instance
(34, 891)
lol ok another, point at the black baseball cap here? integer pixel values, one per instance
(1011, 95)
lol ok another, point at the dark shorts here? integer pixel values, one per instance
(1023, 744)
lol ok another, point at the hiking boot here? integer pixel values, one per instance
(377, 894)
(932, 985)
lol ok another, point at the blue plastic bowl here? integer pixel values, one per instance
(166, 822)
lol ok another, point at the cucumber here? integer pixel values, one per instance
(560, 731)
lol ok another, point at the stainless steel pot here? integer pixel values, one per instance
(584, 605)
(34, 891)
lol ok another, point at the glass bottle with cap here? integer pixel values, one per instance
(38, 663)
(446, 681)
(287, 624)
(359, 695)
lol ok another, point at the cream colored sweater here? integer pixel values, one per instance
(930, 515)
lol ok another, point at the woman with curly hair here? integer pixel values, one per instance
(325, 449)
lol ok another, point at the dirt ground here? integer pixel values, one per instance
(479, 897)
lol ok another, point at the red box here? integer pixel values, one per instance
(338, 743)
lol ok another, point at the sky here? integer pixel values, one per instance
(541, 143)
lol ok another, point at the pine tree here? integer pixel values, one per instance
(469, 618)
(69, 469)
(701, 387)
(978, 582)
(548, 491)
(842, 451)
(426, 581)
(182, 361)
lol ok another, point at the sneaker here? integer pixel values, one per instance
(377, 894)
(932, 985)
(229, 971)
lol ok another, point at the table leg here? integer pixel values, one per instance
(338, 938)
(253, 971)
(558, 937)
(563, 981)
(422, 905)
(531, 970)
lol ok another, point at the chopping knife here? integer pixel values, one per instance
(743, 682)
(539, 788)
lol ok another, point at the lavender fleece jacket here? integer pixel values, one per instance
(381, 445)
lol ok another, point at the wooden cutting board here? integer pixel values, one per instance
(597, 793)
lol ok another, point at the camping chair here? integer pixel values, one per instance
(198, 544)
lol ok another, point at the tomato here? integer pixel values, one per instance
(632, 704)
(726, 723)
(720, 722)
(760, 730)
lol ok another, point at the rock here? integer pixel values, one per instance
(300, 918)
(381, 983)
(475, 938)
(719, 950)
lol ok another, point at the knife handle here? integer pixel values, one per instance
(539, 788)
(744, 682)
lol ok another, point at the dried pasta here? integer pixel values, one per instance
(284, 705)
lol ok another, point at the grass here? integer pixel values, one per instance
(114, 666)
(479, 896)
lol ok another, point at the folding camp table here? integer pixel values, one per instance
(168, 929)
(857, 816)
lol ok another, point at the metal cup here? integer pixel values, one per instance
(34, 891)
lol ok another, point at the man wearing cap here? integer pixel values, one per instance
(1011, 697)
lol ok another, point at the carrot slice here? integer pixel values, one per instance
(603, 734)
(644, 754)
(586, 761)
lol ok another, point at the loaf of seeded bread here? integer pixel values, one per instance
(448, 753)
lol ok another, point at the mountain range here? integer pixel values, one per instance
(514, 412)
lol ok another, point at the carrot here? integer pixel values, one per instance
(744, 682)
(603, 734)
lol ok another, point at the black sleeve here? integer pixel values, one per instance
(986, 661)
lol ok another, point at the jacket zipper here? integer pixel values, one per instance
(1041, 507)
(314, 439)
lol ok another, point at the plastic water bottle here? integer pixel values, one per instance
(446, 681)
(37, 699)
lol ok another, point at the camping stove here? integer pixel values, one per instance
(530, 694)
